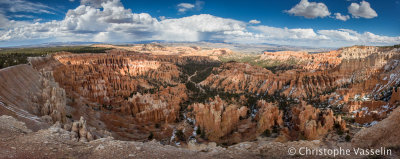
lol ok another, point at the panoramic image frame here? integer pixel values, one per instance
(199, 79)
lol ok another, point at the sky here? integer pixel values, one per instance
(316, 23)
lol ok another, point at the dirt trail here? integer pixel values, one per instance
(196, 84)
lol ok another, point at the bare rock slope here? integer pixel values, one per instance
(383, 134)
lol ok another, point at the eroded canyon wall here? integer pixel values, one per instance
(149, 93)
(31, 96)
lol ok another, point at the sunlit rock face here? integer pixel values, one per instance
(382, 134)
(347, 77)
(32, 96)
(179, 51)
(240, 78)
(268, 116)
(313, 123)
(130, 94)
(217, 118)
(51, 100)
(316, 61)
(105, 78)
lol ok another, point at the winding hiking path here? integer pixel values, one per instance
(196, 84)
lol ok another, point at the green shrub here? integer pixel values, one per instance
(301, 137)
(203, 134)
(180, 135)
(339, 132)
(275, 129)
(266, 133)
(150, 136)
(198, 131)
(157, 125)
(348, 138)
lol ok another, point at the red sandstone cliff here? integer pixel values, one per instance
(313, 122)
(217, 118)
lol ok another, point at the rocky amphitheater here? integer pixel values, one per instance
(152, 101)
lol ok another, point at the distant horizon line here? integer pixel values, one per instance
(74, 43)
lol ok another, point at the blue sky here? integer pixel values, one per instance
(270, 12)
(285, 22)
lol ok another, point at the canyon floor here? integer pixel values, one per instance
(157, 101)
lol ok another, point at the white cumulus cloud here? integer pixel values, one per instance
(198, 27)
(342, 17)
(113, 23)
(285, 33)
(353, 37)
(309, 9)
(309, 37)
(183, 7)
(162, 17)
(363, 10)
(254, 21)
(340, 35)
